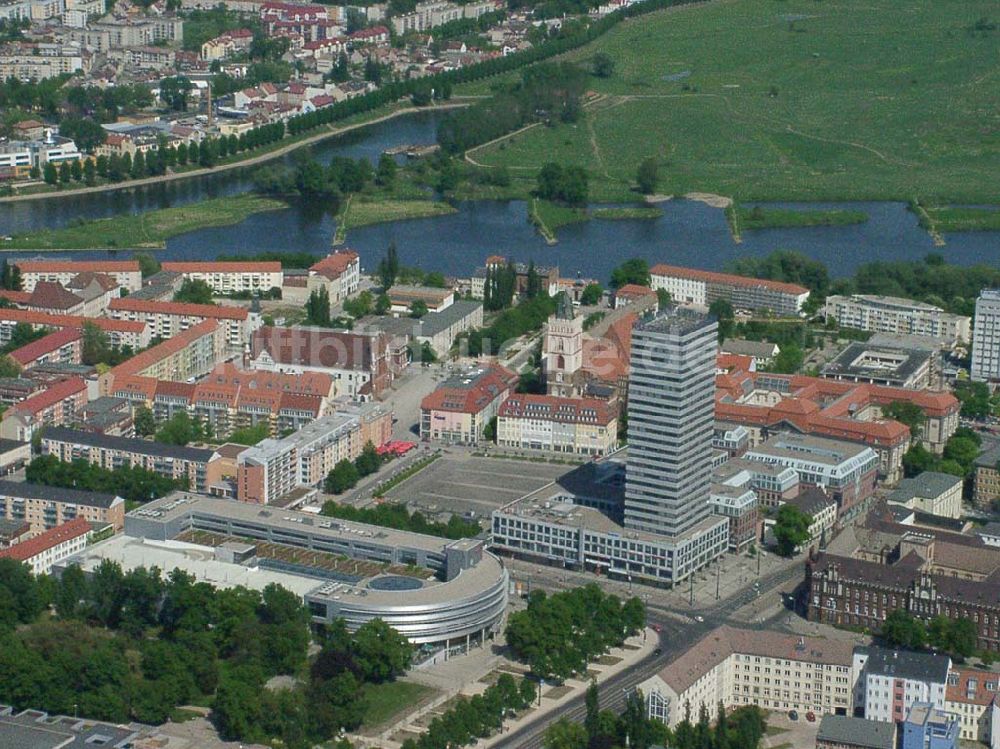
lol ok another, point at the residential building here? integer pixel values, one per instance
(986, 337)
(188, 354)
(13, 532)
(815, 503)
(50, 547)
(929, 727)
(199, 467)
(737, 667)
(848, 732)
(96, 289)
(768, 403)
(888, 314)
(931, 492)
(54, 406)
(120, 332)
(404, 297)
(971, 697)
(226, 44)
(63, 347)
(274, 467)
(427, 15)
(440, 329)
(690, 286)
(14, 455)
(232, 277)
(126, 273)
(54, 298)
(44, 507)
(581, 426)
(462, 406)
(168, 319)
(734, 442)
(632, 293)
(105, 415)
(548, 276)
(890, 682)
(358, 362)
(846, 471)
(339, 273)
(877, 365)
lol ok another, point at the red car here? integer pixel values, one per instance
(811, 717)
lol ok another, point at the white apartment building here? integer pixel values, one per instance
(51, 547)
(890, 681)
(986, 337)
(27, 67)
(232, 277)
(889, 314)
(699, 288)
(167, 319)
(126, 273)
(427, 15)
(748, 667)
(581, 426)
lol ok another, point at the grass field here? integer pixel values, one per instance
(776, 218)
(548, 217)
(788, 99)
(951, 219)
(626, 213)
(384, 701)
(364, 212)
(151, 229)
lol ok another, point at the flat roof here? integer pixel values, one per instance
(857, 360)
(859, 732)
(24, 490)
(126, 444)
(434, 322)
(926, 485)
(809, 448)
(179, 504)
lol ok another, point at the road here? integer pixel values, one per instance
(676, 636)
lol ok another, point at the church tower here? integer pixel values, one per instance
(562, 352)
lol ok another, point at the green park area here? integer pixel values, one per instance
(786, 100)
(150, 229)
(363, 211)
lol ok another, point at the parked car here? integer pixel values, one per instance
(793, 715)
(811, 716)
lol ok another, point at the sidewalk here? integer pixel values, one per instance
(474, 673)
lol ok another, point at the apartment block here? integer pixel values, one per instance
(890, 682)
(739, 667)
(125, 272)
(888, 314)
(120, 332)
(986, 479)
(44, 507)
(690, 286)
(932, 493)
(462, 406)
(929, 727)
(274, 467)
(581, 426)
(232, 277)
(190, 354)
(54, 406)
(986, 337)
(50, 547)
(168, 319)
(64, 346)
(201, 468)
(772, 484)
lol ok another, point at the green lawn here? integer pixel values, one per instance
(776, 218)
(364, 212)
(789, 99)
(949, 219)
(150, 229)
(385, 701)
(548, 217)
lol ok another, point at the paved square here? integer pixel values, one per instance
(460, 484)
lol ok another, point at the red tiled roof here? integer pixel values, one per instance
(180, 309)
(696, 274)
(633, 289)
(25, 550)
(332, 266)
(83, 280)
(78, 266)
(49, 397)
(959, 692)
(562, 410)
(17, 297)
(317, 347)
(35, 317)
(224, 267)
(52, 295)
(52, 342)
(175, 389)
(145, 359)
(475, 396)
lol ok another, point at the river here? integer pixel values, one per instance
(688, 233)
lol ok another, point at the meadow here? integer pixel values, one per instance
(788, 100)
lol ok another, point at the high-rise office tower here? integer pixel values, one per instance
(671, 409)
(986, 337)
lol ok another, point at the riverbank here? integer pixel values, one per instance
(361, 211)
(759, 217)
(146, 230)
(261, 156)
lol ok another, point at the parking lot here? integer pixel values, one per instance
(783, 733)
(460, 483)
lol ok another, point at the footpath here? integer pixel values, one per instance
(475, 672)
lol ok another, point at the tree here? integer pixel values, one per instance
(791, 529)
(10, 276)
(65, 173)
(174, 92)
(179, 430)
(138, 166)
(723, 311)
(318, 308)
(663, 299)
(564, 734)
(145, 425)
(89, 173)
(148, 264)
(388, 268)
(369, 461)
(591, 294)
(601, 65)
(360, 305)
(194, 291)
(9, 367)
(383, 304)
(49, 173)
(418, 309)
(95, 345)
(343, 477)
(647, 176)
(632, 271)
(385, 175)
(381, 652)
(76, 171)
(900, 629)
